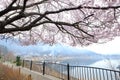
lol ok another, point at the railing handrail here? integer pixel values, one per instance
(75, 66)
(68, 72)
(97, 68)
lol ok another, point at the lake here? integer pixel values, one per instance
(101, 63)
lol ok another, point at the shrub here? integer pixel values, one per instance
(18, 61)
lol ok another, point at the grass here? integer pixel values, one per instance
(7, 73)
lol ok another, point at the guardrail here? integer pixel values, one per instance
(67, 72)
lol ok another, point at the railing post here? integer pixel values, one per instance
(43, 68)
(68, 72)
(23, 63)
(31, 65)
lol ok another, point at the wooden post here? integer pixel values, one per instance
(19, 70)
(31, 65)
(68, 72)
(29, 77)
(23, 64)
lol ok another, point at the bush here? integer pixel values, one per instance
(0, 57)
(18, 61)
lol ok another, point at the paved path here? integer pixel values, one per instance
(34, 75)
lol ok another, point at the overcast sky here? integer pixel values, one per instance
(111, 47)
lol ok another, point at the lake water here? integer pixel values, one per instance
(101, 63)
(94, 74)
(85, 73)
(109, 64)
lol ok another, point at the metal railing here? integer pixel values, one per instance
(67, 72)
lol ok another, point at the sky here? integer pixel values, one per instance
(111, 47)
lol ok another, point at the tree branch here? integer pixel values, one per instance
(24, 6)
(7, 9)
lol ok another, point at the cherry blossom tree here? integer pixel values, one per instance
(67, 21)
